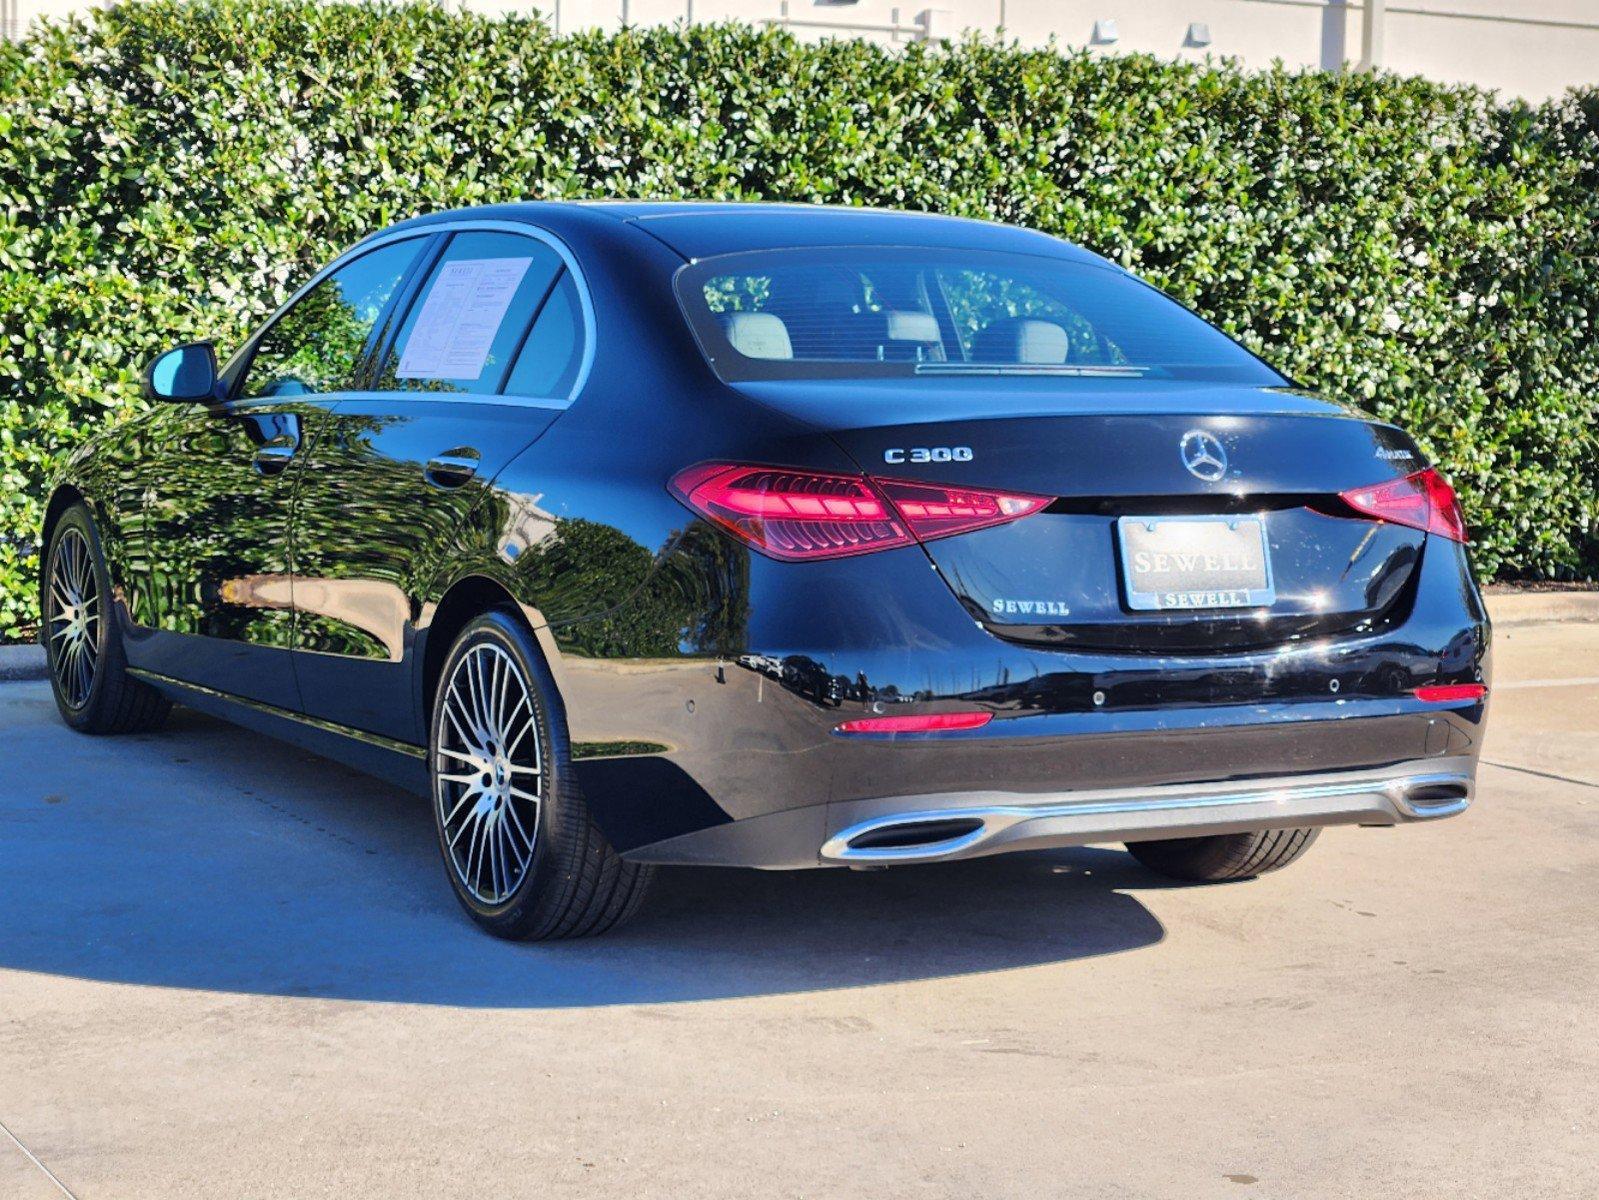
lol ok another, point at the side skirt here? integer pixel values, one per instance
(399, 763)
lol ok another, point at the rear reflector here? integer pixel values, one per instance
(926, 723)
(1422, 501)
(1451, 693)
(798, 515)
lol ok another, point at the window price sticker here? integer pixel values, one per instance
(462, 313)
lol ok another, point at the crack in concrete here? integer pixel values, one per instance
(1571, 681)
(34, 1159)
(1541, 774)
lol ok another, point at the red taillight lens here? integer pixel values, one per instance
(1451, 693)
(926, 723)
(933, 511)
(792, 515)
(1423, 501)
(798, 515)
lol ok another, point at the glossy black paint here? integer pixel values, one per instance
(314, 554)
(380, 515)
(216, 506)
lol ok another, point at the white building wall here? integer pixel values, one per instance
(1528, 48)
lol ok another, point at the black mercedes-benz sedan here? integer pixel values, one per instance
(775, 536)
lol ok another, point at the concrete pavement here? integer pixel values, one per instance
(230, 969)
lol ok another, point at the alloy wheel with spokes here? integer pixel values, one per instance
(488, 770)
(525, 856)
(89, 675)
(73, 618)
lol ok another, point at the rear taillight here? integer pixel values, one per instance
(933, 511)
(1422, 501)
(798, 515)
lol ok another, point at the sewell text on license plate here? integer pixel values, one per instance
(1195, 562)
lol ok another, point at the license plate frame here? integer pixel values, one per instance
(1243, 587)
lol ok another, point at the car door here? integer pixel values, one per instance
(481, 357)
(219, 484)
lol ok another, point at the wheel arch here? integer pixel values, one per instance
(62, 498)
(107, 534)
(467, 598)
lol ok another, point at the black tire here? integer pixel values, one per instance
(111, 701)
(1225, 856)
(574, 884)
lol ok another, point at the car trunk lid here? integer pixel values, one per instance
(1149, 510)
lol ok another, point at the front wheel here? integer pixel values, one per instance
(1224, 856)
(88, 673)
(519, 844)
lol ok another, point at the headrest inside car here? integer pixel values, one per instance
(758, 335)
(912, 327)
(1021, 340)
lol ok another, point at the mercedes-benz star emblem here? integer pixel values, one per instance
(1203, 456)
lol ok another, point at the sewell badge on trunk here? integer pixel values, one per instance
(1195, 562)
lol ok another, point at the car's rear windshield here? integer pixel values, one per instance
(855, 312)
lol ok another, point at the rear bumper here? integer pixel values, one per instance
(939, 828)
(747, 768)
(948, 826)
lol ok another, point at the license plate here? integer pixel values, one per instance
(1195, 562)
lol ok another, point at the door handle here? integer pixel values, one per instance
(272, 457)
(452, 468)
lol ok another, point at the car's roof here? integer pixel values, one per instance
(703, 229)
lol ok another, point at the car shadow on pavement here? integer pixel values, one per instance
(208, 857)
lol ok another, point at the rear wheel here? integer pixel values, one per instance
(519, 844)
(88, 672)
(1224, 856)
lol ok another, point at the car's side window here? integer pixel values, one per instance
(547, 365)
(470, 315)
(316, 345)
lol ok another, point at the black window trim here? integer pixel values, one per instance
(394, 313)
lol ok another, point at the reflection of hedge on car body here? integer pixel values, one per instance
(1422, 250)
(606, 596)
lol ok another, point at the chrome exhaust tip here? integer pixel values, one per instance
(1428, 797)
(922, 835)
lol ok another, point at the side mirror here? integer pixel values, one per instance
(185, 373)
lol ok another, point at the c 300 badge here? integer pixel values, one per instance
(928, 454)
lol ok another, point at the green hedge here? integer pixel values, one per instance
(168, 171)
